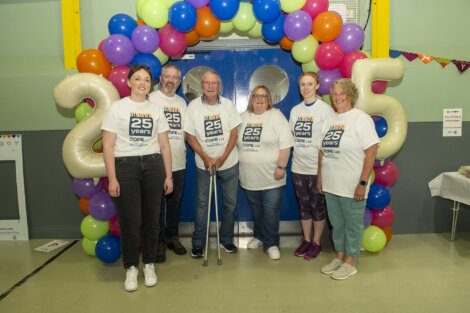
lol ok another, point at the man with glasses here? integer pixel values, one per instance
(211, 129)
(174, 108)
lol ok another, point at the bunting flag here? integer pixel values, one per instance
(461, 66)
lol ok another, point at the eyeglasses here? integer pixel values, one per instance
(338, 94)
(211, 83)
(171, 77)
(260, 97)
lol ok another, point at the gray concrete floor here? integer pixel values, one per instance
(414, 273)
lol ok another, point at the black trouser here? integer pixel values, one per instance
(141, 181)
(169, 223)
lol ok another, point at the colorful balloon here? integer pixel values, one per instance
(388, 232)
(154, 13)
(373, 239)
(244, 20)
(255, 32)
(378, 197)
(118, 77)
(310, 67)
(145, 39)
(303, 51)
(89, 246)
(226, 27)
(151, 61)
(266, 11)
(297, 25)
(161, 56)
(327, 26)
(387, 174)
(93, 61)
(182, 16)
(224, 10)
(327, 78)
(84, 205)
(108, 249)
(315, 7)
(118, 49)
(198, 3)
(85, 188)
(192, 37)
(101, 206)
(82, 110)
(379, 86)
(289, 6)
(351, 37)
(93, 229)
(348, 61)
(381, 126)
(207, 25)
(273, 32)
(114, 226)
(329, 56)
(286, 43)
(122, 24)
(367, 217)
(383, 218)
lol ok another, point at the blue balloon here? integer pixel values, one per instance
(108, 249)
(151, 61)
(121, 24)
(266, 11)
(378, 198)
(274, 31)
(224, 10)
(182, 16)
(381, 126)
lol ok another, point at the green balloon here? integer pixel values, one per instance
(93, 229)
(303, 51)
(82, 111)
(162, 57)
(310, 67)
(255, 32)
(98, 144)
(327, 99)
(169, 3)
(244, 20)
(89, 246)
(138, 7)
(374, 239)
(290, 6)
(154, 13)
(226, 27)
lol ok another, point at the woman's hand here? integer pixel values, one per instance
(113, 188)
(319, 185)
(168, 185)
(279, 174)
(360, 193)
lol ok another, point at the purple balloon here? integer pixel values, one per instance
(298, 25)
(367, 217)
(85, 188)
(118, 49)
(145, 39)
(351, 37)
(101, 206)
(327, 78)
(198, 3)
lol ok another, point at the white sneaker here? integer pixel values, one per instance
(344, 272)
(131, 279)
(254, 243)
(331, 267)
(149, 275)
(274, 253)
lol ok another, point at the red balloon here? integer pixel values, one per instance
(384, 217)
(114, 227)
(348, 62)
(329, 56)
(387, 174)
(379, 86)
(118, 76)
(315, 7)
(172, 42)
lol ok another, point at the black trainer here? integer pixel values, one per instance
(161, 255)
(196, 253)
(175, 245)
(230, 248)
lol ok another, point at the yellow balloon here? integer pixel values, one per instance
(138, 7)
(310, 67)
(290, 6)
(162, 57)
(255, 32)
(303, 50)
(244, 20)
(226, 27)
(154, 13)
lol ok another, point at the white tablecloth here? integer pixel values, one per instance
(451, 185)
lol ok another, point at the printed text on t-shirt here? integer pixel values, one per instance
(141, 124)
(303, 127)
(213, 125)
(333, 136)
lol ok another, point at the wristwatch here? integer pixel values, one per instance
(281, 167)
(363, 182)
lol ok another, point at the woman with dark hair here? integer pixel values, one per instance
(137, 156)
(264, 143)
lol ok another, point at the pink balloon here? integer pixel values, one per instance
(315, 7)
(379, 86)
(198, 3)
(329, 56)
(118, 76)
(114, 227)
(348, 62)
(387, 174)
(172, 42)
(383, 218)
(100, 46)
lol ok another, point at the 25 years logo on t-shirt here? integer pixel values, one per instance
(303, 127)
(333, 136)
(213, 125)
(252, 132)
(141, 124)
(173, 117)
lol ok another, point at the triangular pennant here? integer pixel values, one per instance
(442, 61)
(394, 53)
(425, 58)
(410, 56)
(461, 65)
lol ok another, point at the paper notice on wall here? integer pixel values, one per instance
(452, 122)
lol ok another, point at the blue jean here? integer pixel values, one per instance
(266, 206)
(141, 188)
(228, 182)
(170, 213)
(347, 217)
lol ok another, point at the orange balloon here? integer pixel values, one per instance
(84, 205)
(327, 26)
(140, 22)
(388, 232)
(286, 43)
(192, 37)
(207, 25)
(93, 61)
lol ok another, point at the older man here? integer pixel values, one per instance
(211, 129)
(174, 108)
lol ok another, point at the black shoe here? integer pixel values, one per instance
(161, 256)
(197, 253)
(230, 248)
(175, 245)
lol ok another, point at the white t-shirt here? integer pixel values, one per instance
(174, 109)
(260, 138)
(346, 136)
(211, 125)
(306, 124)
(136, 125)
